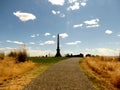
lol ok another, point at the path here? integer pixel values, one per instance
(65, 75)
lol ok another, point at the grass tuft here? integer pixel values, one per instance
(20, 55)
(9, 68)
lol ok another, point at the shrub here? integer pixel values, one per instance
(22, 56)
(2, 55)
(88, 55)
(81, 55)
(12, 54)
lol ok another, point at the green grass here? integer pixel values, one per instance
(43, 63)
(47, 59)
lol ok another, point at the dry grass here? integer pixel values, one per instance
(19, 82)
(9, 68)
(103, 71)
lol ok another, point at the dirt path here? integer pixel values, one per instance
(65, 75)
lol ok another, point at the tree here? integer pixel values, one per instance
(88, 55)
(81, 55)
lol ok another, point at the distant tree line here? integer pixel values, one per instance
(79, 55)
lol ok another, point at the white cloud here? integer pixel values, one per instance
(58, 13)
(63, 35)
(31, 43)
(88, 24)
(53, 36)
(15, 42)
(103, 51)
(34, 35)
(73, 43)
(92, 22)
(108, 32)
(8, 41)
(55, 12)
(41, 52)
(47, 34)
(49, 42)
(118, 35)
(76, 6)
(37, 35)
(71, 1)
(42, 44)
(92, 26)
(77, 25)
(57, 2)
(24, 16)
(62, 15)
(83, 3)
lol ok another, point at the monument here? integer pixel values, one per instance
(58, 48)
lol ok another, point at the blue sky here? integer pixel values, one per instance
(85, 26)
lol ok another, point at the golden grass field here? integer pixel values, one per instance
(16, 75)
(9, 69)
(104, 72)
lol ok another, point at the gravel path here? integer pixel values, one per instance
(65, 75)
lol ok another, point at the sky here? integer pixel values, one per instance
(85, 26)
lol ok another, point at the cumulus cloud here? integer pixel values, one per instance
(62, 15)
(15, 42)
(118, 35)
(53, 36)
(73, 43)
(49, 42)
(83, 4)
(58, 13)
(42, 44)
(33, 52)
(76, 6)
(92, 26)
(102, 51)
(71, 1)
(88, 24)
(108, 32)
(63, 35)
(34, 35)
(77, 25)
(32, 43)
(47, 34)
(57, 2)
(55, 12)
(23, 16)
(92, 23)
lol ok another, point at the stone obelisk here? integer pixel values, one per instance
(58, 47)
